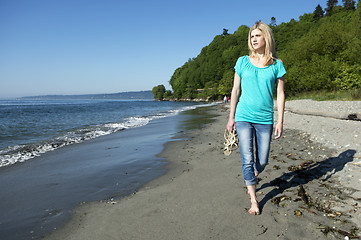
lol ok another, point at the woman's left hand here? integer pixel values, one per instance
(278, 130)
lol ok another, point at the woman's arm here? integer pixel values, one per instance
(234, 101)
(280, 107)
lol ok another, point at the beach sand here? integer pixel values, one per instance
(309, 190)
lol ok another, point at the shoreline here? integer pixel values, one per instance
(203, 195)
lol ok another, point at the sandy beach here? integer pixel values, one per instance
(311, 188)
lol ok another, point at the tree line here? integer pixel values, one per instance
(320, 51)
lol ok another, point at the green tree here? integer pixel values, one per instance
(330, 5)
(318, 13)
(348, 77)
(226, 83)
(168, 94)
(158, 92)
(273, 21)
(210, 91)
(349, 4)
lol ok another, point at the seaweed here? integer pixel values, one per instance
(302, 193)
(276, 201)
(351, 235)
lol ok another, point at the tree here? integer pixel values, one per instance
(158, 92)
(330, 5)
(226, 83)
(318, 13)
(167, 94)
(349, 4)
(273, 21)
(225, 32)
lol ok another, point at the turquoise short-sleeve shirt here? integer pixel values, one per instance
(256, 101)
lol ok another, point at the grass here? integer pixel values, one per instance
(323, 95)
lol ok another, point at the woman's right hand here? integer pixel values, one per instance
(230, 124)
(234, 99)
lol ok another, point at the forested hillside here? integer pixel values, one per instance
(321, 51)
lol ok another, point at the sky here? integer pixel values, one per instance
(67, 47)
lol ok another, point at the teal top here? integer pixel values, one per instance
(257, 84)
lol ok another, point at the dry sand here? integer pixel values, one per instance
(310, 189)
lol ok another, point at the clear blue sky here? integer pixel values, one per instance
(109, 46)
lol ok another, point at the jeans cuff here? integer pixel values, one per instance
(252, 182)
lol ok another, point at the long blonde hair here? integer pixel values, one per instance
(270, 49)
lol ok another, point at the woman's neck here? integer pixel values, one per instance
(259, 54)
(258, 60)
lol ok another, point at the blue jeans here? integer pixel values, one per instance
(262, 134)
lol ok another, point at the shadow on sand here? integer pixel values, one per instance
(305, 174)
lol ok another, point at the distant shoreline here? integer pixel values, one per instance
(146, 95)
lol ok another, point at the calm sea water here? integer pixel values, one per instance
(29, 128)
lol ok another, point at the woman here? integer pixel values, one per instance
(252, 113)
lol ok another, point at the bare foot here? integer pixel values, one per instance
(254, 210)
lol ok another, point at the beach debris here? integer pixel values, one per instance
(231, 142)
(259, 179)
(308, 210)
(290, 156)
(305, 164)
(298, 212)
(325, 208)
(276, 167)
(334, 214)
(351, 235)
(301, 166)
(293, 168)
(355, 207)
(110, 201)
(354, 117)
(302, 193)
(277, 200)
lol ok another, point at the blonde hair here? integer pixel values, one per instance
(270, 49)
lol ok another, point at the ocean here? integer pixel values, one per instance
(57, 154)
(29, 128)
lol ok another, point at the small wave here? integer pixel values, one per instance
(21, 153)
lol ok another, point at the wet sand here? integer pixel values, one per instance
(306, 191)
